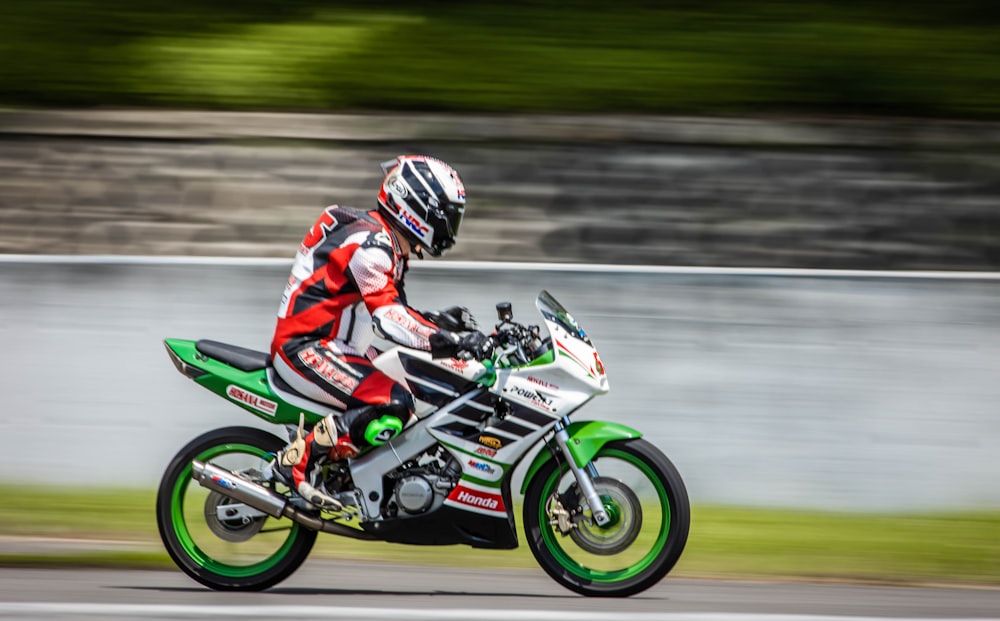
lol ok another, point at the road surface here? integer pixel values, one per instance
(373, 591)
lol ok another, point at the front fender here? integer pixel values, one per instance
(586, 438)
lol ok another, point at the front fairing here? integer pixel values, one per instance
(571, 344)
(562, 378)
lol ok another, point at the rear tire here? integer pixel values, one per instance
(235, 561)
(641, 544)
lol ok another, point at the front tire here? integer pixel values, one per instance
(246, 553)
(646, 498)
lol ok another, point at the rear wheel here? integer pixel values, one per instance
(220, 542)
(647, 503)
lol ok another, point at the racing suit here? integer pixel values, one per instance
(345, 286)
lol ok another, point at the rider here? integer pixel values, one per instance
(346, 286)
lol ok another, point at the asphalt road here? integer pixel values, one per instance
(337, 590)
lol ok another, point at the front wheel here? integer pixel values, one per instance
(220, 542)
(646, 500)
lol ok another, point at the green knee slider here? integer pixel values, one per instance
(381, 430)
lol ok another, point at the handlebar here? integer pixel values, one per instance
(511, 343)
(514, 344)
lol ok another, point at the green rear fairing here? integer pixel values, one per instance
(219, 376)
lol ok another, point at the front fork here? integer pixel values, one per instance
(584, 476)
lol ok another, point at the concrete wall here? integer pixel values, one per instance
(801, 390)
(660, 191)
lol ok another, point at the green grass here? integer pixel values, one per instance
(954, 548)
(713, 56)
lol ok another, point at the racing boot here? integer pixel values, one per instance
(302, 457)
(337, 437)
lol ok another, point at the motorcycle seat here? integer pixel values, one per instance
(240, 357)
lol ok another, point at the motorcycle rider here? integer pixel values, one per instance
(346, 287)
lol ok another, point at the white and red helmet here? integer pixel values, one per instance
(425, 199)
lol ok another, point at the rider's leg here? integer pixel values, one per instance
(378, 409)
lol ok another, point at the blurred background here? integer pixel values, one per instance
(848, 135)
(789, 134)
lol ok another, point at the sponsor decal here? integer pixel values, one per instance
(254, 401)
(459, 187)
(474, 498)
(226, 483)
(488, 452)
(482, 467)
(542, 383)
(408, 323)
(455, 364)
(399, 188)
(490, 441)
(534, 396)
(415, 225)
(328, 370)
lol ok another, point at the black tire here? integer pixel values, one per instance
(178, 528)
(603, 570)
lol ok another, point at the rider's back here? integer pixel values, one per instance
(322, 298)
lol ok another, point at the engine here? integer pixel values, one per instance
(423, 484)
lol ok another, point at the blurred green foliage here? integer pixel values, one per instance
(874, 57)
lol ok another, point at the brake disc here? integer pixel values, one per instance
(625, 511)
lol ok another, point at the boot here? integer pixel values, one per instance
(303, 454)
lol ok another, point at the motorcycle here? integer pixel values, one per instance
(605, 513)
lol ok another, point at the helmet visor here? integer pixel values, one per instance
(449, 219)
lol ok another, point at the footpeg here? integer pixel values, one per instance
(319, 499)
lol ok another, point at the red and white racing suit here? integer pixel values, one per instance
(346, 285)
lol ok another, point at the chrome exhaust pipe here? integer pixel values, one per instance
(270, 502)
(226, 483)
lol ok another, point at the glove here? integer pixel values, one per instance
(474, 345)
(446, 344)
(453, 319)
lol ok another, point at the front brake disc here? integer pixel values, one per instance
(623, 505)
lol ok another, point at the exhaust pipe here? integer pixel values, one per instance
(263, 499)
(226, 483)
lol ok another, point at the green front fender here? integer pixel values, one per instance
(586, 438)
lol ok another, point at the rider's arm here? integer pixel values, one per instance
(371, 269)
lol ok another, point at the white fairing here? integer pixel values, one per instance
(391, 364)
(486, 427)
(560, 387)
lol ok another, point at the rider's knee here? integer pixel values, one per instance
(378, 423)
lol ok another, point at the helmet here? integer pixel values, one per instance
(425, 199)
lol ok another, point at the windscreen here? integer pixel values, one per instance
(554, 311)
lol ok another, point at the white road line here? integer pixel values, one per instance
(73, 610)
(514, 266)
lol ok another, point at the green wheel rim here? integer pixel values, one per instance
(187, 542)
(596, 575)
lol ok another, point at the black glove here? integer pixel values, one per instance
(445, 344)
(475, 345)
(454, 319)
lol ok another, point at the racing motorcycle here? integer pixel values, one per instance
(604, 512)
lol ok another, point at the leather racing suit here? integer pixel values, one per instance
(345, 286)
